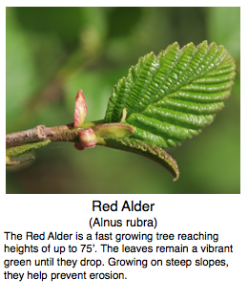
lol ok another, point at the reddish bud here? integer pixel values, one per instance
(87, 138)
(79, 146)
(81, 109)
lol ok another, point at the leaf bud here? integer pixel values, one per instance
(87, 138)
(81, 109)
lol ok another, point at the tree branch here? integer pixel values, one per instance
(32, 135)
(40, 133)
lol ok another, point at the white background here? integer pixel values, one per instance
(222, 214)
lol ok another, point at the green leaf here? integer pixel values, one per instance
(172, 96)
(12, 160)
(113, 130)
(17, 150)
(146, 149)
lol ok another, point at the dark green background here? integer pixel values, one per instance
(52, 52)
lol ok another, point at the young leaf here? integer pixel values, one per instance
(170, 97)
(19, 154)
(17, 150)
(113, 130)
(12, 160)
(146, 149)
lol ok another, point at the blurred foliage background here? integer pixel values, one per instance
(52, 52)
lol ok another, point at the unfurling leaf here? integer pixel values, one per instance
(18, 159)
(113, 130)
(20, 154)
(171, 97)
(146, 149)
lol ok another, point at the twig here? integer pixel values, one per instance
(40, 133)
(32, 135)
